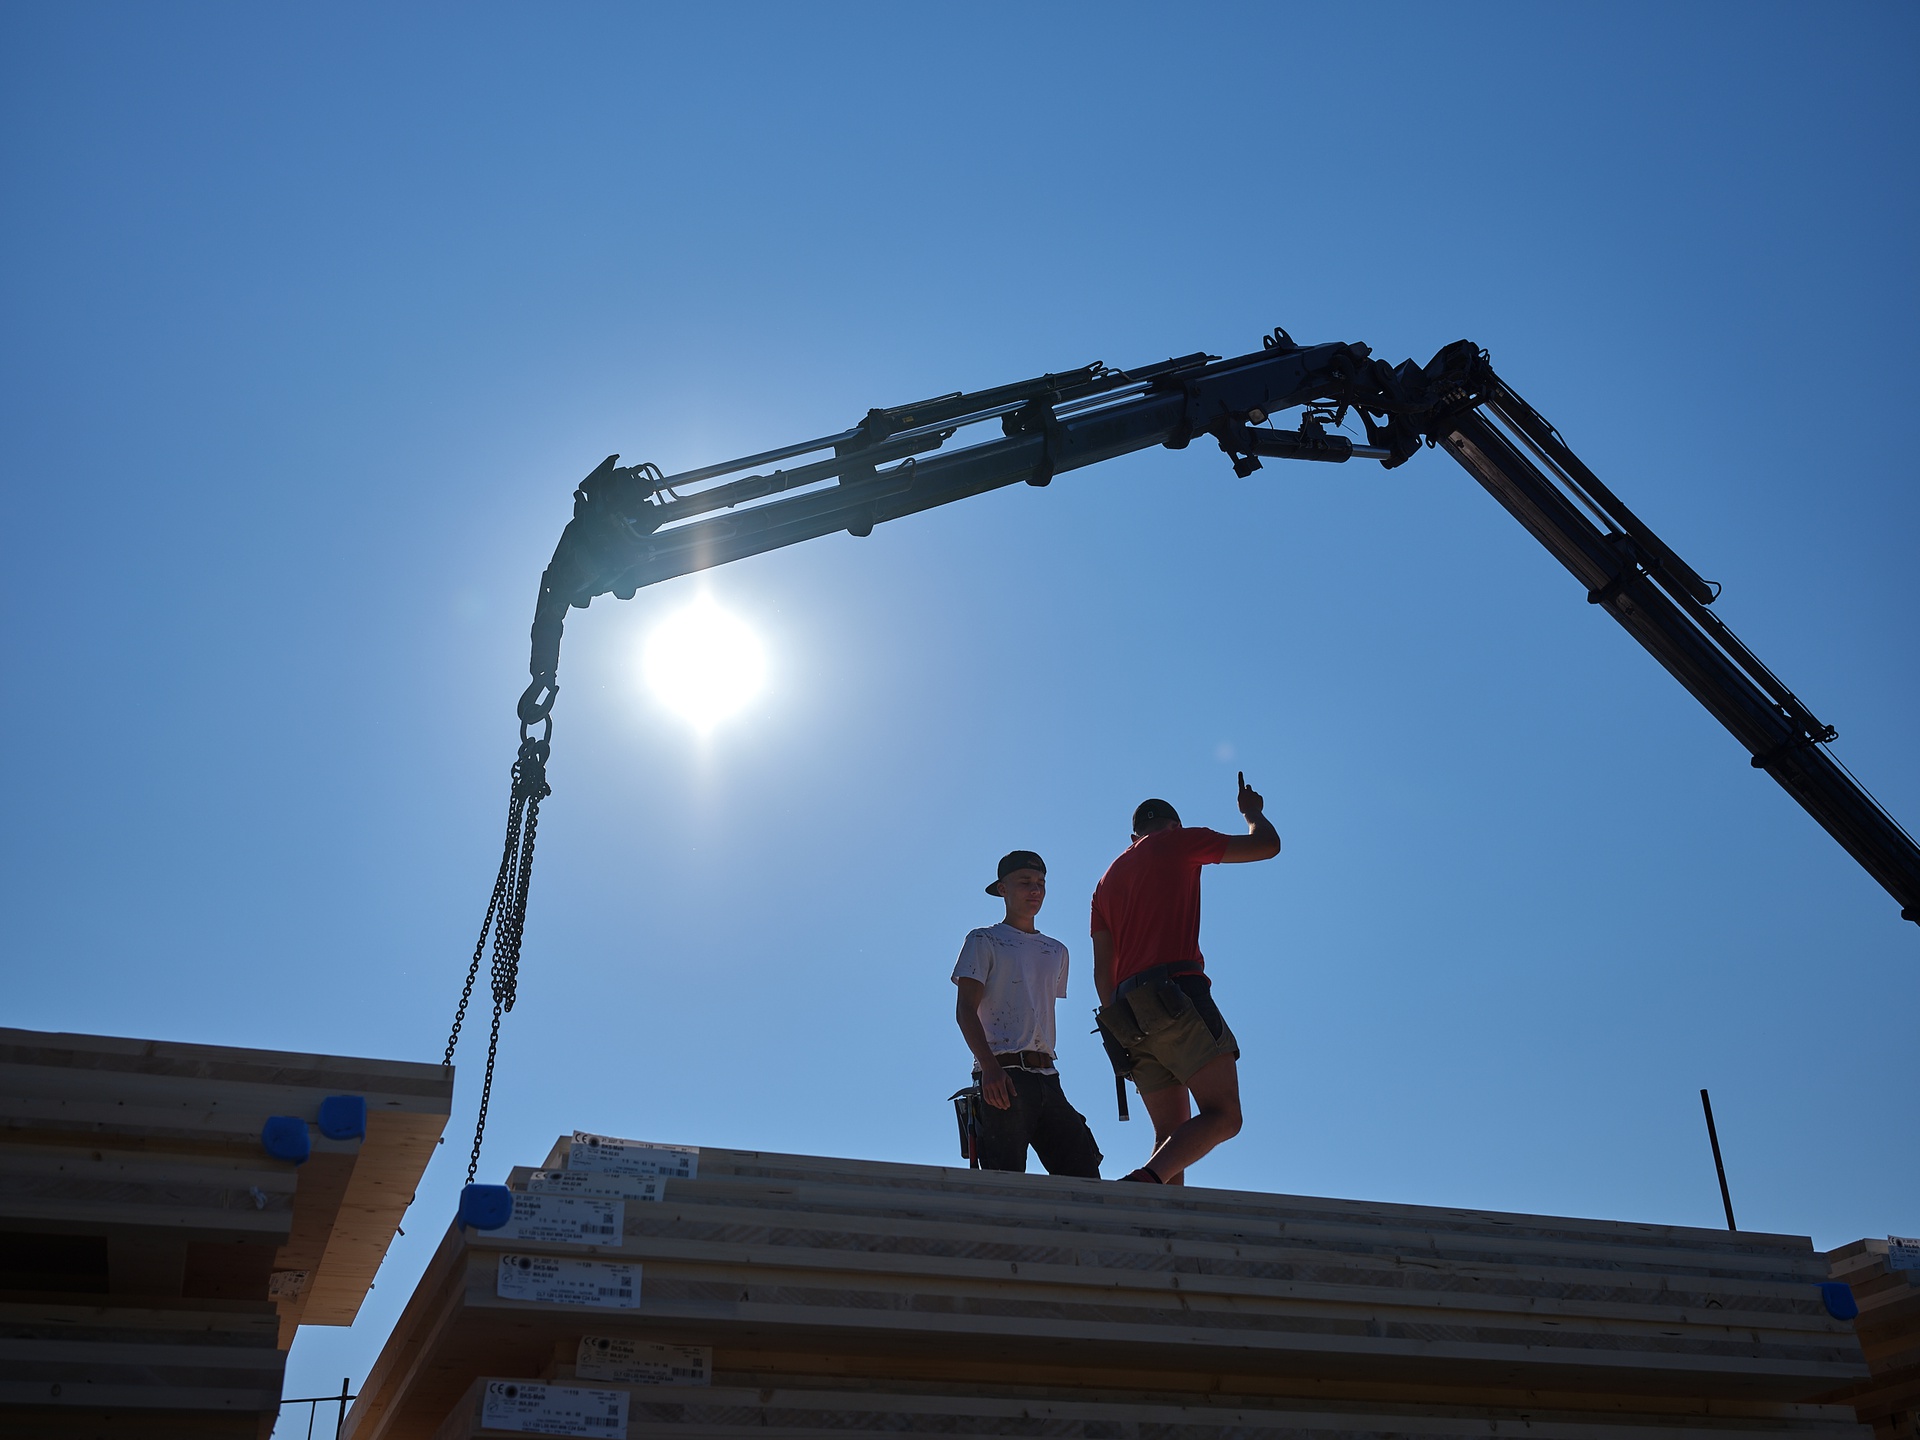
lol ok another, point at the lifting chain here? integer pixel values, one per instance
(507, 911)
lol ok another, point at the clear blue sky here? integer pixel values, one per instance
(315, 315)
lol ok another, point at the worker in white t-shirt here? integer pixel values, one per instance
(1008, 976)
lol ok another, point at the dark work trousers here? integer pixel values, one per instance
(1041, 1117)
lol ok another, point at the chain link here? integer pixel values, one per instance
(506, 916)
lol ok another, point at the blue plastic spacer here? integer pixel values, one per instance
(1839, 1297)
(344, 1117)
(285, 1138)
(486, 1207)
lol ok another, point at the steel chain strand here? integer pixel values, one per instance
(509, 875)
(493, 908)
(510, 867)
(502, 886)
(507, 967)
(486, 1095)
(533, 788)
(529, 789)
(506, 970)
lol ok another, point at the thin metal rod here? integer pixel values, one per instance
(1092, 402)
(340, 1425)
(1553, 467)
(726, 497)
(765, 457)
(1104, 393)
(1713, 1138)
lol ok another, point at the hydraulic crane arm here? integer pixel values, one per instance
(1663, 604)
(633, 526)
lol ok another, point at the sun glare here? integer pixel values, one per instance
(704, 663)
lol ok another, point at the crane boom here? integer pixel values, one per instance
(632, 526)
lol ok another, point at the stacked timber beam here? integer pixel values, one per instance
(1884, 1279)
(171, 1214)
(629, 1290)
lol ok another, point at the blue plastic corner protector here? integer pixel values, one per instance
(1839, 1297)
(344, 1117)
(486, 1207)
(285, 1138)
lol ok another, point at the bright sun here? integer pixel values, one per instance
(704, 663)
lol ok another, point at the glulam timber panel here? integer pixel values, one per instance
(155, 1259)
(808, 1273)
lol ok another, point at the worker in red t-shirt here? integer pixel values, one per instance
(1156, 1001)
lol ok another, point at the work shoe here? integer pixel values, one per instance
(1144, 1174)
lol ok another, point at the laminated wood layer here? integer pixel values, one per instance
(105, 1131)
(370, 1207)
(1889, 1329)
(739, 1413)
(1345, 1226)
(105, 1184)
(143, 1226)
(66, 1367)
(786, 1369)
(882, 1255)
(816, 1272)
(757, 1300)
(75, 1423)
(1040, 1235)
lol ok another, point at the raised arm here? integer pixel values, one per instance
(1262, 841)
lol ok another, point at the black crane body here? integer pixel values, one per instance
(632, 527)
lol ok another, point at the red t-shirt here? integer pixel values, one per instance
(1149, 899)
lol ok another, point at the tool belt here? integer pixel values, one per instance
(1026, 1060)
(1143, 1005)
(1153, 975)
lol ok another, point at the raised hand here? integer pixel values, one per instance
(1250, 801)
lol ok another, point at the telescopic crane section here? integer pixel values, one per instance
(633, 526)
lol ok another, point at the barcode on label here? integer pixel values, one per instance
(529, 1407)
(607, 1155)
(555, 1280)
(564, 1220)
(636, 1362)
(587, 1182)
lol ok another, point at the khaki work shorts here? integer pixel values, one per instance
(1180, 1039)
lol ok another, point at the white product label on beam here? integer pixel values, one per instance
(585, 1182)
(605, 1155)
(530, 1408)
(553, 1280)
(1903, 1252)
(564, 1220)
(603, 1357)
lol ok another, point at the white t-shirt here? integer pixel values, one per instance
(1023, 975)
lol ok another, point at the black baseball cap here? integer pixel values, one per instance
(1016, 860)
(1153, 812)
